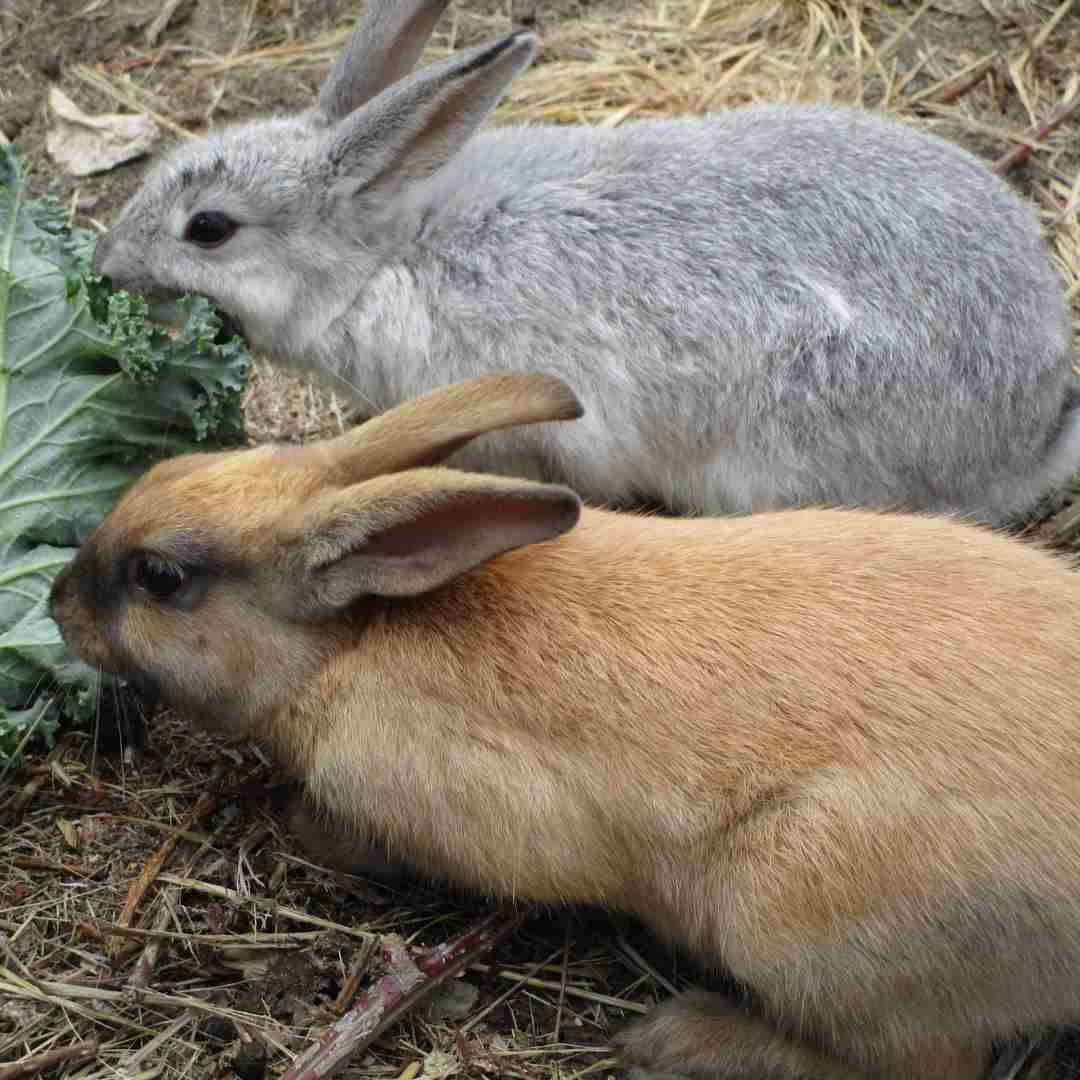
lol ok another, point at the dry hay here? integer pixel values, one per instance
(219, 992)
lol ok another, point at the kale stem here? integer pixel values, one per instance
(7, 277)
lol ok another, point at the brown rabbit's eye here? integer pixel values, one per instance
(208, 228)
(161, 579)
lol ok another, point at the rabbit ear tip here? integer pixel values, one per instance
(519, 41)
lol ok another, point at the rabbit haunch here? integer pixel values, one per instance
(835, 752)
(777, 305)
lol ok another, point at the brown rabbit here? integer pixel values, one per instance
(835, 752)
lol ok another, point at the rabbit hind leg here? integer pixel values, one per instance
(707, 1036)
(871, 932)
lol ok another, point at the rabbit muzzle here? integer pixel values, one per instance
(78, 627)
(119, 260)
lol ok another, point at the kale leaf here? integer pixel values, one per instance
(92, 392)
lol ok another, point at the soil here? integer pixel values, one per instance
(43, 45)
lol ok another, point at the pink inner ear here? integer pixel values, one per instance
(486, 526)
(408, 545)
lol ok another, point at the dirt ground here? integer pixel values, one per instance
(198, 988)
(57, 43)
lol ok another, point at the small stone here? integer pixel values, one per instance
(218, 1029)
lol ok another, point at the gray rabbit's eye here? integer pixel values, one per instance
(209, 228)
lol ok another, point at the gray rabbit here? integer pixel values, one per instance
(773, 306)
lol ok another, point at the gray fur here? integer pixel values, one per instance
(772, 306)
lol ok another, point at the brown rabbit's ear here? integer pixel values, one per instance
(403, 535)
(429, 428)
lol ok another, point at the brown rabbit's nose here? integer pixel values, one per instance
(60, 594)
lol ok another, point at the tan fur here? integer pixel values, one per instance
(836, 752)
(434, 425)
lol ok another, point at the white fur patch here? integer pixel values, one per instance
(833, 299)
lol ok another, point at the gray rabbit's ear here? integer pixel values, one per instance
(384, 46)
(415, 127)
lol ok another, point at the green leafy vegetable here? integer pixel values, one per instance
(91, 393)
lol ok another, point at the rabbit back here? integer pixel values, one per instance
(778, 305)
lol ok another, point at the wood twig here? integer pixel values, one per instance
(206, 805)
(31, 1066)
(30, 862)
(569, 991)
(958, 83)
(262, 904)
(507, 993)
(162, 1038)
(408, 982)
(70, 994)
(40, 990)
(958, 90)
(148, 958)
(1041, 38)
(644, 966)
(270, 939)
(24, 798)
(1019, 154)
(562, 982)
(359, 969)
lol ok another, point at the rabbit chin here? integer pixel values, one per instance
(144, 686)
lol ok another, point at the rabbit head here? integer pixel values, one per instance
(323, 527)
(288, 214)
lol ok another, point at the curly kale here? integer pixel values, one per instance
(92, 392)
